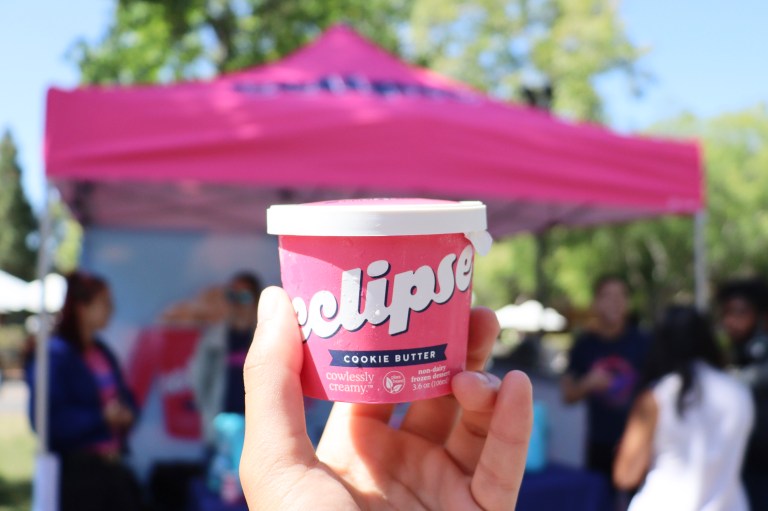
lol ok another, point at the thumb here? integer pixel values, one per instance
(275, 431)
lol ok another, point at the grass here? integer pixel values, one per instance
(17, 448)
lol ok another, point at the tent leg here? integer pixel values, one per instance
(41, 351)
(701, 277)
(542, 289)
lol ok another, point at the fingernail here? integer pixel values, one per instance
(267, 304)
(488, 379)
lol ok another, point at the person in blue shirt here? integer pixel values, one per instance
(604, 367)
(90, 409)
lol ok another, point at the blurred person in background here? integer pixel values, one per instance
(687, 432)
(217, 366)
(90, 408)
(743, 304)
(603, 369)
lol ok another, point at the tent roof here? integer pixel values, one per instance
(343, 118)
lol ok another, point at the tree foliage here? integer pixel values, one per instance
(736, 156)
(154, 41)
(17, 222)
(494, 45)
(68, 236)
(656, 256)
(502, 45)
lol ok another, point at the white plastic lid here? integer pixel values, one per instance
(377, 217)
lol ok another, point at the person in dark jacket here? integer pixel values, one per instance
(90, 409)
(743, 307)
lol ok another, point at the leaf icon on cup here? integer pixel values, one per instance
(394, 382)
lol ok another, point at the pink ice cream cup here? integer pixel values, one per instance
(382, 291)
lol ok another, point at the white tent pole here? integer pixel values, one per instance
(538, 270)
(41, 346)
(701, 277)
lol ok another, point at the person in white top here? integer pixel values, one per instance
(685, 439)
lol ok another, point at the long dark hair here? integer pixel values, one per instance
(82, 289)
(684, 336)
(753, 290)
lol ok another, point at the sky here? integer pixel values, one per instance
(705, 57)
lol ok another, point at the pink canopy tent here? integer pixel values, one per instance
(341, 117)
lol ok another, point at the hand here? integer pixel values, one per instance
(118, 416)
(597, 380)
(451, 453)
(126, 418)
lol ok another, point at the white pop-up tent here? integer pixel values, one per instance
(12, 293)
(18, 295)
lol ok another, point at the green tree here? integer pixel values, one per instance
(736, 155)
(153, 41)
(16, 219)
(506, 273)
(502, 45)
(68, 236)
